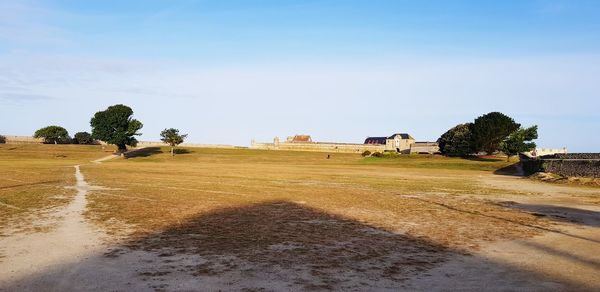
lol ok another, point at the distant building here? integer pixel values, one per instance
(399, 142)
(537, 152)
(300, 139)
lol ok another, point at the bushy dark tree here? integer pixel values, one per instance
(53, 135)
(490, 130)
(83, 138)
(116, 126)
(519, 141)
(2, 139)
(172, 137)
(457, 141)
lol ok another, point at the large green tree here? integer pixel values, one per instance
(490, 130)
(519, 141)
(53, 135)
(116, 126)
(172, 137)
(457, 141)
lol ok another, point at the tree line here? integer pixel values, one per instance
(488, 133)
(115, 126)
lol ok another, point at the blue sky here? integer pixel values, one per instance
(232, 71)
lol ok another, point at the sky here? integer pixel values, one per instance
(228, 72)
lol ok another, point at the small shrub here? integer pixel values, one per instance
(366, 153)
(2, 139)
(83, 138)
(377, 154)
(390, 154)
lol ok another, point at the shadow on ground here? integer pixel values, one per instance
(276, 245)
(182, 151)
(143, 152)
(511, 170)
(484, 159)
(559, 213)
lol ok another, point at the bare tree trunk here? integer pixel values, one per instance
(172, 151)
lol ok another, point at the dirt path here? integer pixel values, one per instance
(71, 241)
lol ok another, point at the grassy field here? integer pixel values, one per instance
(33, 178)
(273, 212)
(155, 192)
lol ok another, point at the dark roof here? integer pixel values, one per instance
(375, 140)
(402, 136)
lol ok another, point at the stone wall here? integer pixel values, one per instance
(545, 151)
(320, 147)
(31, 140)
(424, 147)
(23, 140)
(182, 145)
(573, 167)
(577, 156)
(569, 165)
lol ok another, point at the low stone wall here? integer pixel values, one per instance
(23, 140)
(320, 147)
(430, 148)
(576, 156)
(182, 145)
(573, 168)
(31, 140)
(576, 165)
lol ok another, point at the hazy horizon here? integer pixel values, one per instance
(228, 72)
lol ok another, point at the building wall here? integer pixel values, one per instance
(320, 147)
(31, 140)
(424, 148)
(546, 151)
(406, 146)
(23, 140)
(189, 145)
(403, 145)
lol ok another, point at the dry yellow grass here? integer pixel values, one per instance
(262, 211)
(158, 192)
(33, 178)
(255, 211)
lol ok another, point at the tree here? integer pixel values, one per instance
(490, 130)
(172, 137)
(457, 141)
(83, 138)
(2, 139)
(519, 141)
(53, 134)
(116, 126)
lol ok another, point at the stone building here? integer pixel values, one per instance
(400, 142)
(299, 139)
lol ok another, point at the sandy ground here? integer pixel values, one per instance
(564, 258)
(76, 256)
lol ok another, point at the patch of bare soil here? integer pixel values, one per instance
(565, 257)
